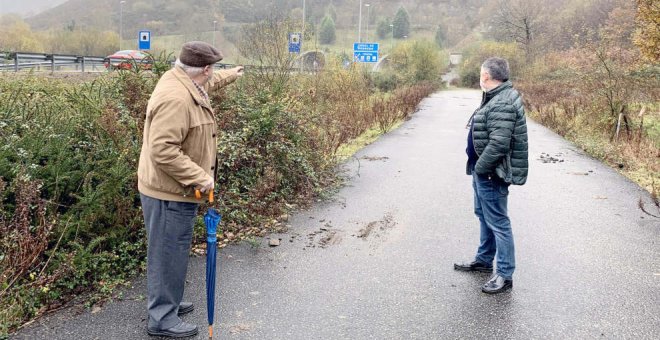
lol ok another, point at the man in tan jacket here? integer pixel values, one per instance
(178, 156)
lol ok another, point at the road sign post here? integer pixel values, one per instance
(144, 40)
(365, 52)
(295, 41)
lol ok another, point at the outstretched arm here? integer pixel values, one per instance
(222, 78)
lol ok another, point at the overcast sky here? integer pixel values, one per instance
(27, 7)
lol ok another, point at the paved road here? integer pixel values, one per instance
(376, 261)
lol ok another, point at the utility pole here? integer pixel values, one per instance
(215, 22)
(121, 21)
(302, 40)
(368, 15)
(392, 38)
(302, 33)
(360, 24)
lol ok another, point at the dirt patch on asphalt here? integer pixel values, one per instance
(239, 328)
(331, 238)
(377, 228)
(325, 236)
(547, 158)
(375, 158)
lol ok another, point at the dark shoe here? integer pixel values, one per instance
(185, 308)
(473, 266)
(496, 284)
(182, 330)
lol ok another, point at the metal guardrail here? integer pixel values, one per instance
(17, 61)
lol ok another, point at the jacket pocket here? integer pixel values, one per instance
(502, 188)
(508, 172)
(182, 208)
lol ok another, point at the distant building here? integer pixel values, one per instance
(455, 59)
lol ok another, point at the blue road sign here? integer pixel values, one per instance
(366, 47)
(365, 56)
(365, 52)
(295, 41)
(144, 40)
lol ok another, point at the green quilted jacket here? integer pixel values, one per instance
(500, 135)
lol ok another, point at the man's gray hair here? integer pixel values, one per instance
(191, 71)
(498, 68)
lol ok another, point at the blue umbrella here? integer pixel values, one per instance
(211, 219)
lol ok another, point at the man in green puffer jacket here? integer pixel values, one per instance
(497, 157)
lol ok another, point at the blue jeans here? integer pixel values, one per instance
(490, 206)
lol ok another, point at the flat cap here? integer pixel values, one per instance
(199, 54)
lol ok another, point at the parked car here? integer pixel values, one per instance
(127, 59)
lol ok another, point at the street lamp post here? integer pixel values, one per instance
(121, 21)
(215, 22)
(392, 38)
(368, 15)
(360, 24)
(302, 39)
(302, 33)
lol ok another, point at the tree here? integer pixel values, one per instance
(266, 44)
(619, 28)
(383, 28)
(647, 35)
(441, 36)
(519, 21)
(327, 34)
(401, 23)
(19, 37)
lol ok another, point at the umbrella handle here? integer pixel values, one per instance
(198, 195)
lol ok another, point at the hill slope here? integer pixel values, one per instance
(166, 17)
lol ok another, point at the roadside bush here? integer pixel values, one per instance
(266, 156)
(386, 80)
(388, 109)
(604, 100)
(419, 61)
(71, 151)
(477, 53)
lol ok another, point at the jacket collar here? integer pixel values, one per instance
(183, 77)
(487, 96)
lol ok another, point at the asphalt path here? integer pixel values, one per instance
(376, 260)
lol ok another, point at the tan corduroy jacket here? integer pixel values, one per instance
(179, 148)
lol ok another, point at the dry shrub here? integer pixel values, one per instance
(25, 237)
(593, 97)
(337, 102)
(342, 105)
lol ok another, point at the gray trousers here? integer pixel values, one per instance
(169, 234)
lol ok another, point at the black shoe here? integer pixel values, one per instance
(182, 330)
(473, 266)
(496, 284)
(185, 308)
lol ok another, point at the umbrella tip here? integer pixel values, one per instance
(210, 332)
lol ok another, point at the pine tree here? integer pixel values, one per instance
(441, 36)
(327, 34)
(401, 23)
